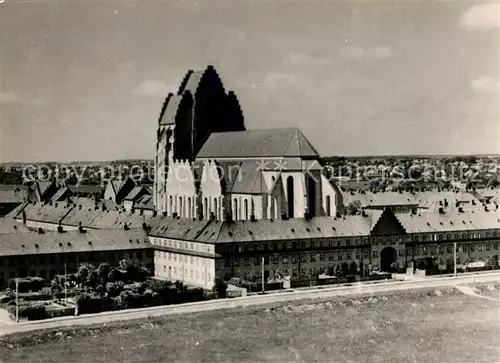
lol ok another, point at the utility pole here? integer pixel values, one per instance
(262, 272)
(454, 259)
(17, 300)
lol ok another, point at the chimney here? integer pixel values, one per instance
(155, 213)
(126, 227)
(40, 230)
(174, 215)
(164, 214)
(24, 217)
(441, 210)
(460, 210)
(60, 229)
(284, 216)
(252, 218)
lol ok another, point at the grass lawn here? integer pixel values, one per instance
(423, 326)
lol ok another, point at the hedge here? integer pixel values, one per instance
(27, 284)
(30, 311)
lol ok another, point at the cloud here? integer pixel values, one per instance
(275, 79)
(154, 88)
(485, 85)
(14, 98)
(305, 59)
(376, 53)
(481, 17)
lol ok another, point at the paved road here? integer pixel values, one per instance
(8, 328)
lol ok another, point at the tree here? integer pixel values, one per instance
(353, 207)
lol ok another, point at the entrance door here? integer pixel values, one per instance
(387, 256)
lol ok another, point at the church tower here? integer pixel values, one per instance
(200, 107)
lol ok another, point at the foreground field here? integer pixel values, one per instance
(424, 325)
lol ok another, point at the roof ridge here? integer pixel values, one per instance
(289, 142)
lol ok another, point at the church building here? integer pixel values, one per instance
(208, 166)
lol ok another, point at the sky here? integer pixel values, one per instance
(86, 80)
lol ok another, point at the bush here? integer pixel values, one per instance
(91, 303)
(27, 284)
(29, 311)
(113, 289)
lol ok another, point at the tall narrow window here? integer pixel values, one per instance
(252, 207)
(290, 196)
(246, 208)
(170, 205)
(328, 206)
(181, 207)
(235, 213)
(311, 196)
(189, 208)
(216, 214)
(205, 208)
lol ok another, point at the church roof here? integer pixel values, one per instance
(286, 142)
(249, 179)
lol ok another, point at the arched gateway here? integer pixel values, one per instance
(388, 256)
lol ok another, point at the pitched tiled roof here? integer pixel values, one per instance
(13, 194)
(9, 225)
(145, 202)
(367, 198)
(91, 203)
(59, 194)
(287, 142)
(185, 229)
(430, 198)
(298, 228)
(263, 230)
(249, 179)
(99, 219)
(452, 221)
(16, 211)
(134, 193)
(31, 243)
(91, 189)
(46, 213)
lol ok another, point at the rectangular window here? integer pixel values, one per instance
(473, 248)
(349, 255)
(313, 258)
(341, 256)
(375, 254)
(283, 245)
(303, 244)
(322, 257)
(294, 245)
(488, 247)
(312, 244)
(330, 256)
(294, 259)
(358, 255)
(275, 246)
(401, 252)
(366, 255)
